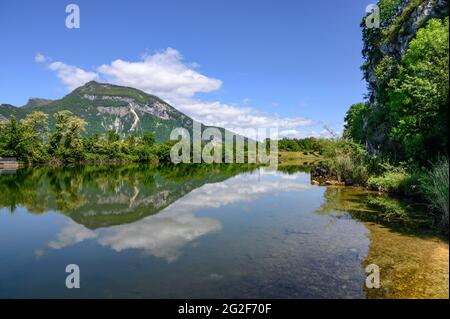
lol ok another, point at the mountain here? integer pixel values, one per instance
(34, 101)
(110, 107)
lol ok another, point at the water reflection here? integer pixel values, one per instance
(210, 231)
(100, 196)
(163, 234)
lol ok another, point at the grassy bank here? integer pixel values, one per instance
(349, 164)
(299, 158)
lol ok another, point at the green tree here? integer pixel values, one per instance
(113, 136)
(149, 139)
(36, 126)
(419, 94)
(66, 141)
(13, 142)
(356, 122)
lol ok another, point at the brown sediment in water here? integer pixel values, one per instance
(410, 266)
(412, 255)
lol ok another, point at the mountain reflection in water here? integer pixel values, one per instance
(200, 231)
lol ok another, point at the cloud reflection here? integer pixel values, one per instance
(163, 235)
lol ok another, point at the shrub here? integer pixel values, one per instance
(435, 187)
(396, 180)
(346, 161)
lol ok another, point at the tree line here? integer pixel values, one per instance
(30, 140)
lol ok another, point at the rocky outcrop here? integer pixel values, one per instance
(321, 175)
(158, 109)
(410, 17)
(413, 19)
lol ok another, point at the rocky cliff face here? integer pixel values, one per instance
(414, 17)
(383, 50)
(392, 41)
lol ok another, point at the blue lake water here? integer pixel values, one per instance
(143, 232)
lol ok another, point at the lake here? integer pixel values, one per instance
(210, 231)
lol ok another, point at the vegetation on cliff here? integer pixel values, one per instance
(403, 125)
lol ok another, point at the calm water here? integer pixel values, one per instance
(190, 232)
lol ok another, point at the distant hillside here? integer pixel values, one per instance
(33, 102)
(110, 107)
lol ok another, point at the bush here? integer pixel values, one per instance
(163, 151)
(396, 180)
(346, 160)
(435, 187)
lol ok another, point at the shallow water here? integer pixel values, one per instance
(138, 231)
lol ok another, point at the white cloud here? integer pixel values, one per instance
(39, 58)
(166, 75)
(163, 74)
(71, 76)
(231, 116)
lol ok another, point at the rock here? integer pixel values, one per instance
(334, 183)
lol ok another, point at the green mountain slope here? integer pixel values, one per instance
(110, 107)
(34, 101)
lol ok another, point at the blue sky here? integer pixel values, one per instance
(294, 64)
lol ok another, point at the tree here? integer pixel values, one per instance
(149, 139)
(356, 122)
(419, 94)
(14, 141)
(131, 141)
(66, 140)
(113, 136)
(36, 126)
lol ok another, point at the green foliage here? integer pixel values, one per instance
(356, 122)
(113, 136)
(13, 142)
(25, 139)
(149, 139)
(66, 141)
(373, 38)
(30, 140)
(407, 117)
(346, 161)
(395, 180)
(385, 70)
(309, 144)
(419, 95)
(435, 187)
(395, 26)
(163, 151)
